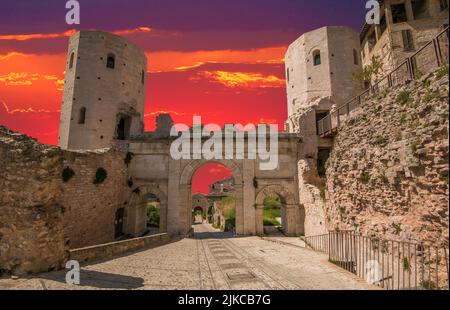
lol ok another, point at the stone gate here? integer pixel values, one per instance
(155, 172)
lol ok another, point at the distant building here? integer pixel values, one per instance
(405, 26)
(221, 188)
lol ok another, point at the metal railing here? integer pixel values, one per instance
(318, 243)
(392, 265)
(428, 58)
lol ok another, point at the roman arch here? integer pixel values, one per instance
(186, 187)
(154, 171)
(292, 215)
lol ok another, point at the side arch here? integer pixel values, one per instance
(285, 195)
(291, 213)
(136, 213)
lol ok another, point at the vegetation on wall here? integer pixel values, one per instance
(130, 183)
(67, 174)
(153, 215)
(272, 210)
(227, 206)
(128, 158)
(371, 72)
(100, 176)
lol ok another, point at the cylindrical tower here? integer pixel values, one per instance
(320, 64)
(104, 91)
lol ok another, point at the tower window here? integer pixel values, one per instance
(317, 59)
(82, 116)
(143, 77)
(322, 158)
(111, 61)
(71, 60)
(408, 44)
(420, 9)
(123, 128)
(372, 41)
(287, 75)
(355, 57)
(399, 13)
(319, 117)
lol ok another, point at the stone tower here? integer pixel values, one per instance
(319, 74)
(319, 71)
(104, 91)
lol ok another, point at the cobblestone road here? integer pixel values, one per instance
(213, 260)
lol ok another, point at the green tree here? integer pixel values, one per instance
(371, 72)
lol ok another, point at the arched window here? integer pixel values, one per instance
(143, 76)
(316, 57)
(111, 61)
(355, 57)
(82, 116)
(71, 60)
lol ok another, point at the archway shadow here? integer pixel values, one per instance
(98, 279)
(213, 235)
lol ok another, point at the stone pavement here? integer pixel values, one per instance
(214, 260)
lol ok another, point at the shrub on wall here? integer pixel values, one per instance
(100, 176)
(128, 158)
(67, 174)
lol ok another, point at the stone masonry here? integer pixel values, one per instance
(41, 216)
(387, 175)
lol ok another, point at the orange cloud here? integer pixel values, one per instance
(244, 79)
(27, 79)
(68, 33)
(25, 37)
(27, 110)
(17, 79)
(155, 113)
(167, 61)
(133, 31)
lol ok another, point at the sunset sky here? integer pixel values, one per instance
(220, 59)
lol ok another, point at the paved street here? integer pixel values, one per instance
(213, 260)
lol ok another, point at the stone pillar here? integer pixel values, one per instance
(378, 32)
(163, 219)
(389, 18)
(248, 174)
(291, 220)
(301, 221)
(409, 10)
(173, 200)
(259, 209)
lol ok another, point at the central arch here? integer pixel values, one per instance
(186, 191)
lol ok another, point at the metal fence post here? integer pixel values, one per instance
(436, 52)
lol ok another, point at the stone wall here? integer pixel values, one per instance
(388, 173)
(109, 250)
(41, 216)
(31, 215)
(90, 208)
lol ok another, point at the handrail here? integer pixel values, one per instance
(390, 264)
(326, 126)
